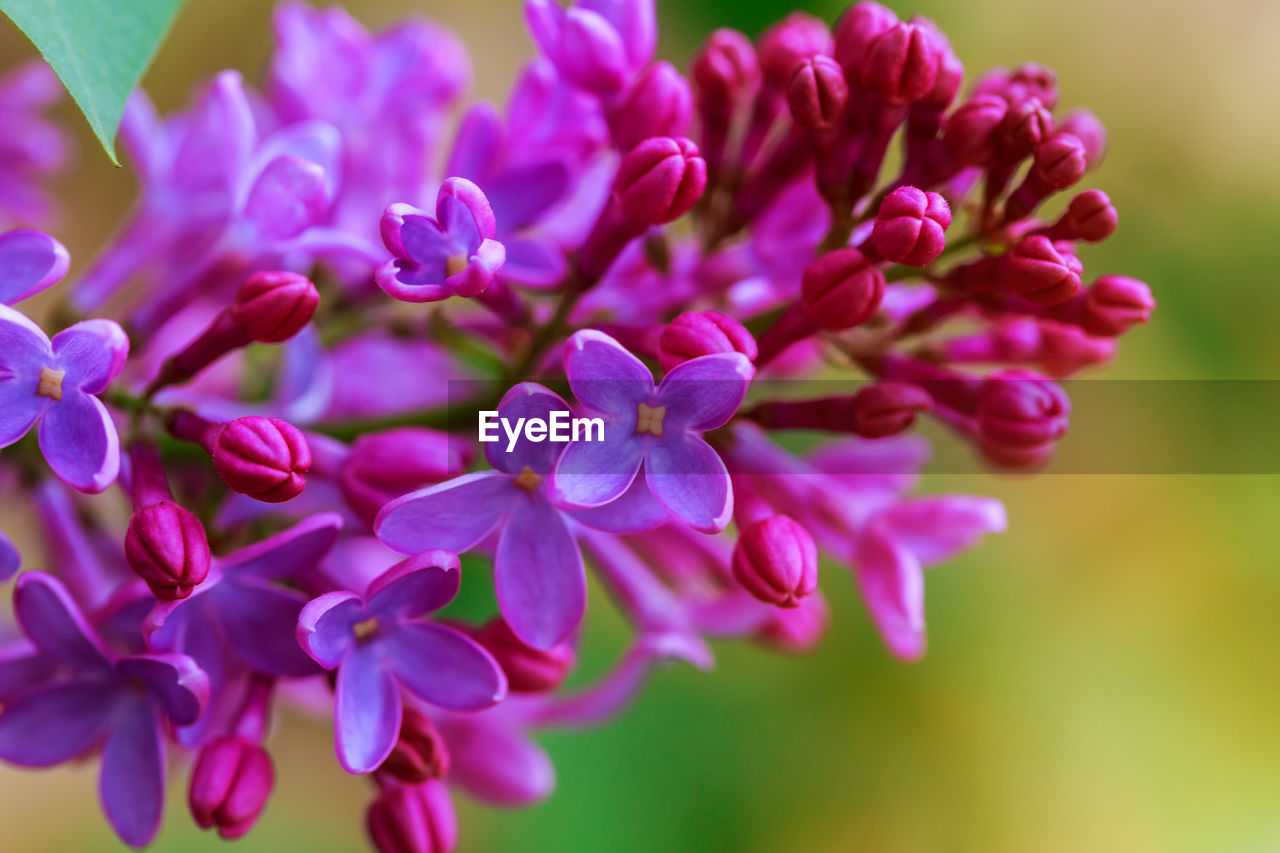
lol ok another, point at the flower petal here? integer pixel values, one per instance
(635, 512)
(538, 574)
(454, 515)
(523, 194)
(289, 553)
(464, 212)
(325, 626)
(258, 620)
(445, 667)
(415, 587)
(20, 406)
(605, 376)
(51, 619)
(131, 781)
(288, 196)
(179, 686)
(594, 473)
(10, 559)
(366, 709)
(892, 585)
(92, 353)
(704, 393)
(22, 666)
(79, 441)
(495, 762)
(30, 261)
(533, 263)
(688, 477)
(937, 528)
(527, 400)
(54, 724)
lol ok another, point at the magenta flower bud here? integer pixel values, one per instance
(658, 104)
(528, 670)
(901, 65)
(1025, 124)
(420, 753)
(1066, 349)
(817, 93)
(274, 305)
(698, 333)
(842, 289)
(1090, 217)
(882, 409)
(167, 547)
(1086, 127)
(230, 784)
(1039, 271)
(1114, 304)
(385, 465)
(910, 227)
(776, 561)
(1032, 80)
(861, 24)
(264, 458)
(799, 629)
(1059, 161)
(796, 37)
(969, 131)
(725, 72)
(950, 78)
(413, 819)
(660, 179)
(1020, 417)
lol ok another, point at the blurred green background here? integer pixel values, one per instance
(1106, 676)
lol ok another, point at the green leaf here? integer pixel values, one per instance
(99, 48)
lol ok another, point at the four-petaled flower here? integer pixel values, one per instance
(450, 254)
(120, 701)
(379, 643)
(660, 427)
(55, 383)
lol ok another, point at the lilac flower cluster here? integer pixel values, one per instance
(306, 495)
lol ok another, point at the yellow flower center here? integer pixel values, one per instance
(50, 383)
(365, 628)
(649, 419)
(455, 264)
(528, 479)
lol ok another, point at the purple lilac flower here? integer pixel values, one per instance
(538, 572)
(32, 148)
(660, 428)
(30, 262)
(56, 383)
(597, 45)
(118, 702)
(379, 643)
(450, 254)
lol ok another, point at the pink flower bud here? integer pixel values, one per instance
(658, 104)
(263, 458)
(420, 753)
(969, 131)
(901, 65)
(273, 306)
(1066, 349)
(799, 629)
(860, 25)
(817, 93)
(725, 72)
(1020, 417)
(166, 546)
(1039, 271)
(387, 464)
(528, 670)
(910, 227)
(413, 819)
(1024, 125)
(1059, 161)
(1086, 127)
(1033, 80)
(797, 36)
(950, 77)
(697, 333)
(776, 561)
(1115, 303)
(660, 179)
(882, 409)
(842, 289)
(230, 784)
(1090, 217)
